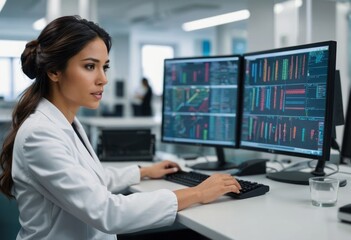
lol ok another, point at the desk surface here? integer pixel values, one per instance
(285, 212)
(5, 115)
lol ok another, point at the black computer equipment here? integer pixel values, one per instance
(288, 104)
(338, 110)
(127, 145)
(344, 212)
(200, 104)
(250, 167)
(191, 179)
(346, 142)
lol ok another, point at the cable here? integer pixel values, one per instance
(279, 162)
(335, 145)
(348, 173)
(298, 166)
(335, 170)
(272, 168)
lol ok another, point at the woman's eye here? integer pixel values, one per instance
(106, 67)
(90, 66)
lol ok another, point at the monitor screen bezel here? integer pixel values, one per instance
(238, 97)
(329, 100)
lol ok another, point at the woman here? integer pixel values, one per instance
(142, 100)
(146, 108)
(48, 164)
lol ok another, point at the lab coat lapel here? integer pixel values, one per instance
(84, 154)
(55, 115)
(95, 160)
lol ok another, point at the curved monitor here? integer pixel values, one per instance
(288, 104)
(200, 104)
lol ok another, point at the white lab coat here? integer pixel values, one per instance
(63, 192)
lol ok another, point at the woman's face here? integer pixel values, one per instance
(82, 83)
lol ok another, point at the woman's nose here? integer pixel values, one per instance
(102, 78)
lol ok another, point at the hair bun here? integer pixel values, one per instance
(28, 59)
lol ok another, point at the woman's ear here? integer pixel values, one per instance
(54, 76)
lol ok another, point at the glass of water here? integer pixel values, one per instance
(324, 191)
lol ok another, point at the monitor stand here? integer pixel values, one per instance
(297, 177)
(220, 164)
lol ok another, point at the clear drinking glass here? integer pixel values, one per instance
(324, 191)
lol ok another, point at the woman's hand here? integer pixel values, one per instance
(207, 191)
(217, 185)
(158, 170)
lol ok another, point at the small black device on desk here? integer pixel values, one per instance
(344, 213)
(191, 179)
(250, 167)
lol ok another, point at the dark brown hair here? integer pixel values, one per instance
(59, 41)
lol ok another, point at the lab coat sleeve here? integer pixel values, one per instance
(119, 179)
(55, 166)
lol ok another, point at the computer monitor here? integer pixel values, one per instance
(200, 104)
(346, 142)
(288, 104)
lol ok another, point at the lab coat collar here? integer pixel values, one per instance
(53, 113)
(57, 117)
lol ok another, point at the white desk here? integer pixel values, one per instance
(284, 213)
(5, 123)
(5, 115)
(96, 124)
(5, 119)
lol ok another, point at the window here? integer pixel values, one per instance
(12, 80)
(152, 57)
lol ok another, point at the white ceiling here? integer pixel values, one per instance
(164, 13)
(117, 16)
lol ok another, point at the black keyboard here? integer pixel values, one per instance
(191, 179)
